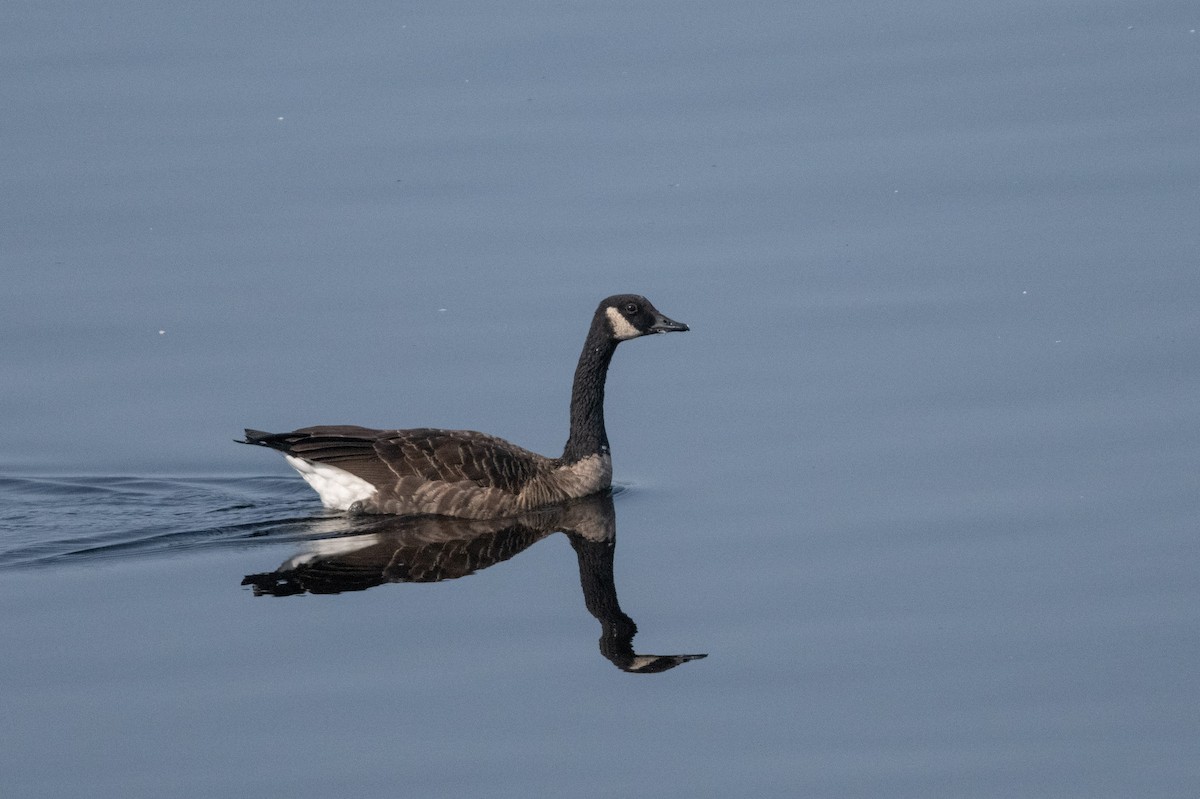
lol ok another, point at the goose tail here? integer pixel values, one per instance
(262, 438)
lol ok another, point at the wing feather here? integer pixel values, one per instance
(386, 457)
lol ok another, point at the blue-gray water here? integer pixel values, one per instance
(922, 480)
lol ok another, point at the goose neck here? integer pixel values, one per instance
(588, 436)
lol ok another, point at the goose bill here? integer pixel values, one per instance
(664, 325)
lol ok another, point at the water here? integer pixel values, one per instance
(920, 481)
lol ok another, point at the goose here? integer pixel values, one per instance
(463, 473)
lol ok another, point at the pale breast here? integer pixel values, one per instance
(569, 481)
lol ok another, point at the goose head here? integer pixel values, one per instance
(631, 315)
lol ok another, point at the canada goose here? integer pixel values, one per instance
(467, 474)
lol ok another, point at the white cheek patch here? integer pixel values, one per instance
(337, 488)
(621, 328)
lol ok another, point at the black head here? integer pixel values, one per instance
(631, 315)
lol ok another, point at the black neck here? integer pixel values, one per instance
(587, 394)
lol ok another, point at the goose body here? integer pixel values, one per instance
(464, 473)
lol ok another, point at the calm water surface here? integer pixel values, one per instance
(921, 482)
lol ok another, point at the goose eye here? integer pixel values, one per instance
(631, 307)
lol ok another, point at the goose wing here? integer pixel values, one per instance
(385, 457)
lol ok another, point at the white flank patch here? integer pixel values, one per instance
(337, 488)
(621, 328)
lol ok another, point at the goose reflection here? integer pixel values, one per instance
(431, 548)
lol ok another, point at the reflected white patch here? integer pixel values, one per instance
(329, 548)
(337, 488)
(621, 328)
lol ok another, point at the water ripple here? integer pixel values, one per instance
(62, 519)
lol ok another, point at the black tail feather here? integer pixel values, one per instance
(279, 441)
